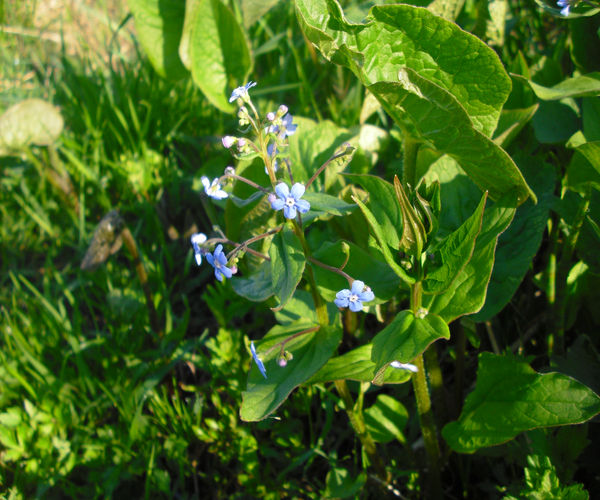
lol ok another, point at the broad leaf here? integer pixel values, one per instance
(406, 337)
(510, 397)
(518, 245)
(442, 85)
(511, 123)
(159, 26)
(253, 10)
(310, 352)
(357, 365)
(327, 205)
(361, 266)
(219, 53)
(383, 204)
(378, 231)
(31, 121)
(579, 86)
(453, 253)
(287, 264)
(467, 293)
(258, 287)
(385, 419)
(584, 169)
(448, 9)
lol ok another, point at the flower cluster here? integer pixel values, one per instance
(354, 298)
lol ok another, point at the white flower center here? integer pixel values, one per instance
(353, 298)
(290, 202)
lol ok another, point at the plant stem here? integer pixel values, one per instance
(358, 424)
(562, 272)
(320, 307)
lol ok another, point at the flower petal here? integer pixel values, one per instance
(277, 204)
(297, 191)
(289, 212)
(227, 272)
(210, 259)
(303, 206)
(343, 294)
(257, 360)
(366, 296)
(355, 306)
(341, 302)
(282, 190)
(357, 287)
(218, 274)
(205, 182)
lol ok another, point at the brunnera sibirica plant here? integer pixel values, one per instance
(417, 250)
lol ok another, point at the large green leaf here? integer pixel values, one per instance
(287, 264)
(360, 266)
(383, 204)
(31, 121)
(258, 286)
(385, 419)
(357, 365)
(405, 338)
(159, 26)
(510, 397)
(467, 293)
(442, 85)
(584, 169)
(454, 252)
(218, 51)
(579, 86)
(310, 352)
(519, 244)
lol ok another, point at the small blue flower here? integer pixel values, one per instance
(565, 4)
(355, 297)
(290, 200)
(219, 262)
(283, 127)
(404, 366)
(272, 151)
(197, 239)
(213, 189)
(257, 360)
(241, 92)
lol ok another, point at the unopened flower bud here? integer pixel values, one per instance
(282, 362)
(270, 116)
(229, 170)
(272, 197)
(283, 109)
(228, 141)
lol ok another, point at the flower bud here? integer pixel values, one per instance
(228, 141)
(270, 116)
(229, 170)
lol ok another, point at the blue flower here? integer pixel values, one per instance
(197, 239)
(290, 200)
(355, 297)
(565, 4)
(272, 152)
(404, 366)
(241, 92)
(283, 126)
(257, 360)
(213, 189)
(219, 262)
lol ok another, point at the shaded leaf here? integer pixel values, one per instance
(287, 264)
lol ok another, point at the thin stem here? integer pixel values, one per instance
(247, 181)
(143, 277)
(244, 244)
(320, 307)
(492, 337)
(358, 424)
(332, 269)
(324, 166)
(562, 273)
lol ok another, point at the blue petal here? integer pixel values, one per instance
(297, 191)
(341, 302)
(282, 190)
(366, 296)
(210, 259)
(289, 212)
(218, 274)
(357, 287)
(303, 206)
(278, 204)
(355, 306)
(257, 360)
(227, 272)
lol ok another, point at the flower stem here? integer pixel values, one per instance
(332, 269)
(320, 307)
(346, 151)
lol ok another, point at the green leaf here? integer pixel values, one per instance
(383, 204)
(511, 123)
(405, 338)
(579, 86)
(341, 484)
(467, 293)
(385, 419)
(310, 352)
(253, 10)
(258, 287)
(454, 252)
(397, 37)
(31, 121)
(448, 9)
(520, 243)
(584, 168)
(360, 265)
(159, 26)
(382, 244)
(435, 117)
(302, 306)
(219, 52)
(287, 264)
(510, 397)
(322, 202)
(442, 85)
(555, 121)
(357, 365)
